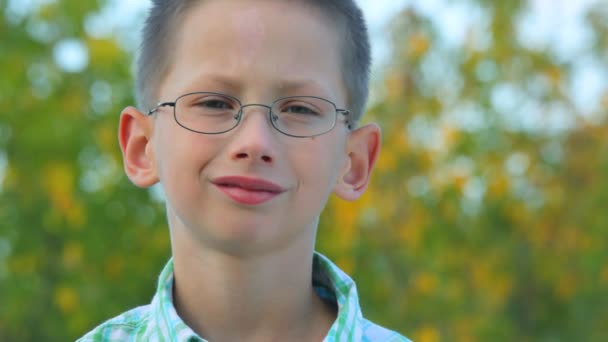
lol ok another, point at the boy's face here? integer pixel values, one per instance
(257, 52)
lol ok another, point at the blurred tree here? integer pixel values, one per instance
(78, 243)
(485, 219)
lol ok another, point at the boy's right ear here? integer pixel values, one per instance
(135, 138)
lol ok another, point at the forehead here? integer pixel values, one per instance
(252, 14)
(275, 41)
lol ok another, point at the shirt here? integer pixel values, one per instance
(159, 321)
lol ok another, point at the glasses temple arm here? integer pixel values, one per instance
(158, 105)
(346, 114)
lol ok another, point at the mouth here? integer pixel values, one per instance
(246, 190)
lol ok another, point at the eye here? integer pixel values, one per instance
(299, 108)
(214, 103)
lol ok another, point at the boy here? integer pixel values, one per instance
(250, 138)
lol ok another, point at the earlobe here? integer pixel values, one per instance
(363, 149)
(134, 135)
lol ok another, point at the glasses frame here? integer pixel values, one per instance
(239, 115)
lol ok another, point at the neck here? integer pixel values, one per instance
(264, 297)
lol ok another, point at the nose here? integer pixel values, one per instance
(255, 139)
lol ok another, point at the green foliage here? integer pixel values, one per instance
(479, 225)
(78, 243)
(472, 229)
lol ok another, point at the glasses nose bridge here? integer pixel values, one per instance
(267, 107)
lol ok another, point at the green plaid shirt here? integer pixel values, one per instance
(159, 321)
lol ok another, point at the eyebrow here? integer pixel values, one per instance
(283, 85)
(215, 80)
(294, 85)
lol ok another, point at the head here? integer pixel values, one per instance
(252, 189)
(164, 23)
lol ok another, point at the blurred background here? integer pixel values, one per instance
(486, 219)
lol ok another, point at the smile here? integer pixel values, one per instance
(249, 191)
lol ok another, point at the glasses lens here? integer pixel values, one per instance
(207, 112)
(303, 115)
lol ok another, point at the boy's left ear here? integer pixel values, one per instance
(363, 147)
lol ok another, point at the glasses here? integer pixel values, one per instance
(215, 113)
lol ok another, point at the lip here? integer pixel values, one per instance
(248, 190)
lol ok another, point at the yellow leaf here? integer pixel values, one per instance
(566, 287)
(76, 216)
(427, 334)
(426, 283)
(554, 75)
(59, 185)
(346, 215)
(114, 267)
(66, 299)
(386, 162)
(105, 51)
(346, 263)
(395, 86)
(419, 44)
(498, 187)
(604, 275)
(72, 254)
(25, 264)
(106, 138)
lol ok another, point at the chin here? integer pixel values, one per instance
(245, 235)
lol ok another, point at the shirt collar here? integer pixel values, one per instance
(329, 281)
(348, 323)
(170, 326)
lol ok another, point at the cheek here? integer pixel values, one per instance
(319, 167)
(180, 157)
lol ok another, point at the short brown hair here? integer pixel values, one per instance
(163, 22)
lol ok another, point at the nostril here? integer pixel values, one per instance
(241, 155)
(266, 159)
